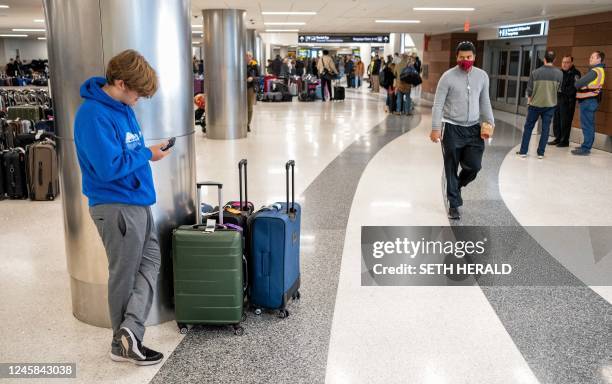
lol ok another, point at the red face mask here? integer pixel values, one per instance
(465, 64)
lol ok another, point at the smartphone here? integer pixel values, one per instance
(170, 144)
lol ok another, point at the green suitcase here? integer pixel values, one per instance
(208, 274)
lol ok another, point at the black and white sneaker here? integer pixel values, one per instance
(131, 350)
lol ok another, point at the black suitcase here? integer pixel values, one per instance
(14, 164)
(338, 93)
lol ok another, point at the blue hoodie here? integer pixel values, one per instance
(111, 150)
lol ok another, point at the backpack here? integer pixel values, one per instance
(410, 75)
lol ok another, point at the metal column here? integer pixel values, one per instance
(225, 77)
(82, 36)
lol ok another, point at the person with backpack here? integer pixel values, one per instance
(327, 70)
(402, 87)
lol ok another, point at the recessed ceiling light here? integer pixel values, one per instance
(288, 13)
(12, 35)
(42, 38)
(39, 20)
(443, 9)
(28, 29)
(4, 6)
(285, 23)
(282, 30)
(194, 32)
(399, 21)
(195, 42)
(196, 25)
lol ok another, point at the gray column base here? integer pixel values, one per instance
(90, 305)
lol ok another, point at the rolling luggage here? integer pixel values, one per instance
(42, 171)
(13, 162)
(274, 267)
(26, 112)
(208, 273)
(339, 93)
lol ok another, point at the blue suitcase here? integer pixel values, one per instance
(274, 265)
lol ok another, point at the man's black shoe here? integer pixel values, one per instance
(454, 214)
(131, 350)
(554, 142)
(563, 145)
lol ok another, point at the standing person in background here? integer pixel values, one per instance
(359, 72)
(327, 72)
(566, 103)
(417, 62)
(314, 66)
(370, 72)
(118, 182)
(277, 65)
(341, 68)
(285, 70)
(589, 89)
(402, 89)
(299, 67)
(461, 104)
(194, 64)
(10, 67)
(201, 67)
(542, 88)
(349, 69)
(396, 58)
(375, 74)
(252, 81)
(388, 81)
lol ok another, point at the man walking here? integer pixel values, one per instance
(589, 96)
(117, 180)
(542, 88)
(566, 103)
(461, 103)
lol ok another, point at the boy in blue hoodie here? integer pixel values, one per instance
(118, 182)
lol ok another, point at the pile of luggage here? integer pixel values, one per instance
(28, 157)
(235, 257)
(275, 89)
(308, 88)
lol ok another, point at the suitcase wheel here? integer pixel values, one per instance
(296, 295)
(238, 330)
(283, 313)
(258, 311)
(183, 328)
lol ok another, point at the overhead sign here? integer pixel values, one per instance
(522, 30)
(322, 39)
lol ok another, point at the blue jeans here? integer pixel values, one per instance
(357, 81)
(587, 122)
(403, 100)
(533, 114)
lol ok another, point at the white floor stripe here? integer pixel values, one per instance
(412, 334)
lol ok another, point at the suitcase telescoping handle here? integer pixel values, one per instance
(198, 203)
(242, 167)
(291, 164)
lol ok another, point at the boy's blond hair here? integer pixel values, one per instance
(131, 67)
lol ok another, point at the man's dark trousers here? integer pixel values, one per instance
(562, 124)
(461, 146)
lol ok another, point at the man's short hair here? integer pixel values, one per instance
(601, 55)
(570, 56)
(465, 46)
(549, 56)
(325, 52)
(131, 67)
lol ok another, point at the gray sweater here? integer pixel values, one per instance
(462, 98)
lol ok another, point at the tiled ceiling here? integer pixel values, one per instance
(354, 16)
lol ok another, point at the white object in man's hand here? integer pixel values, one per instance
(158, 154)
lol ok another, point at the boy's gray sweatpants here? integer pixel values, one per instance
(132, 247)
